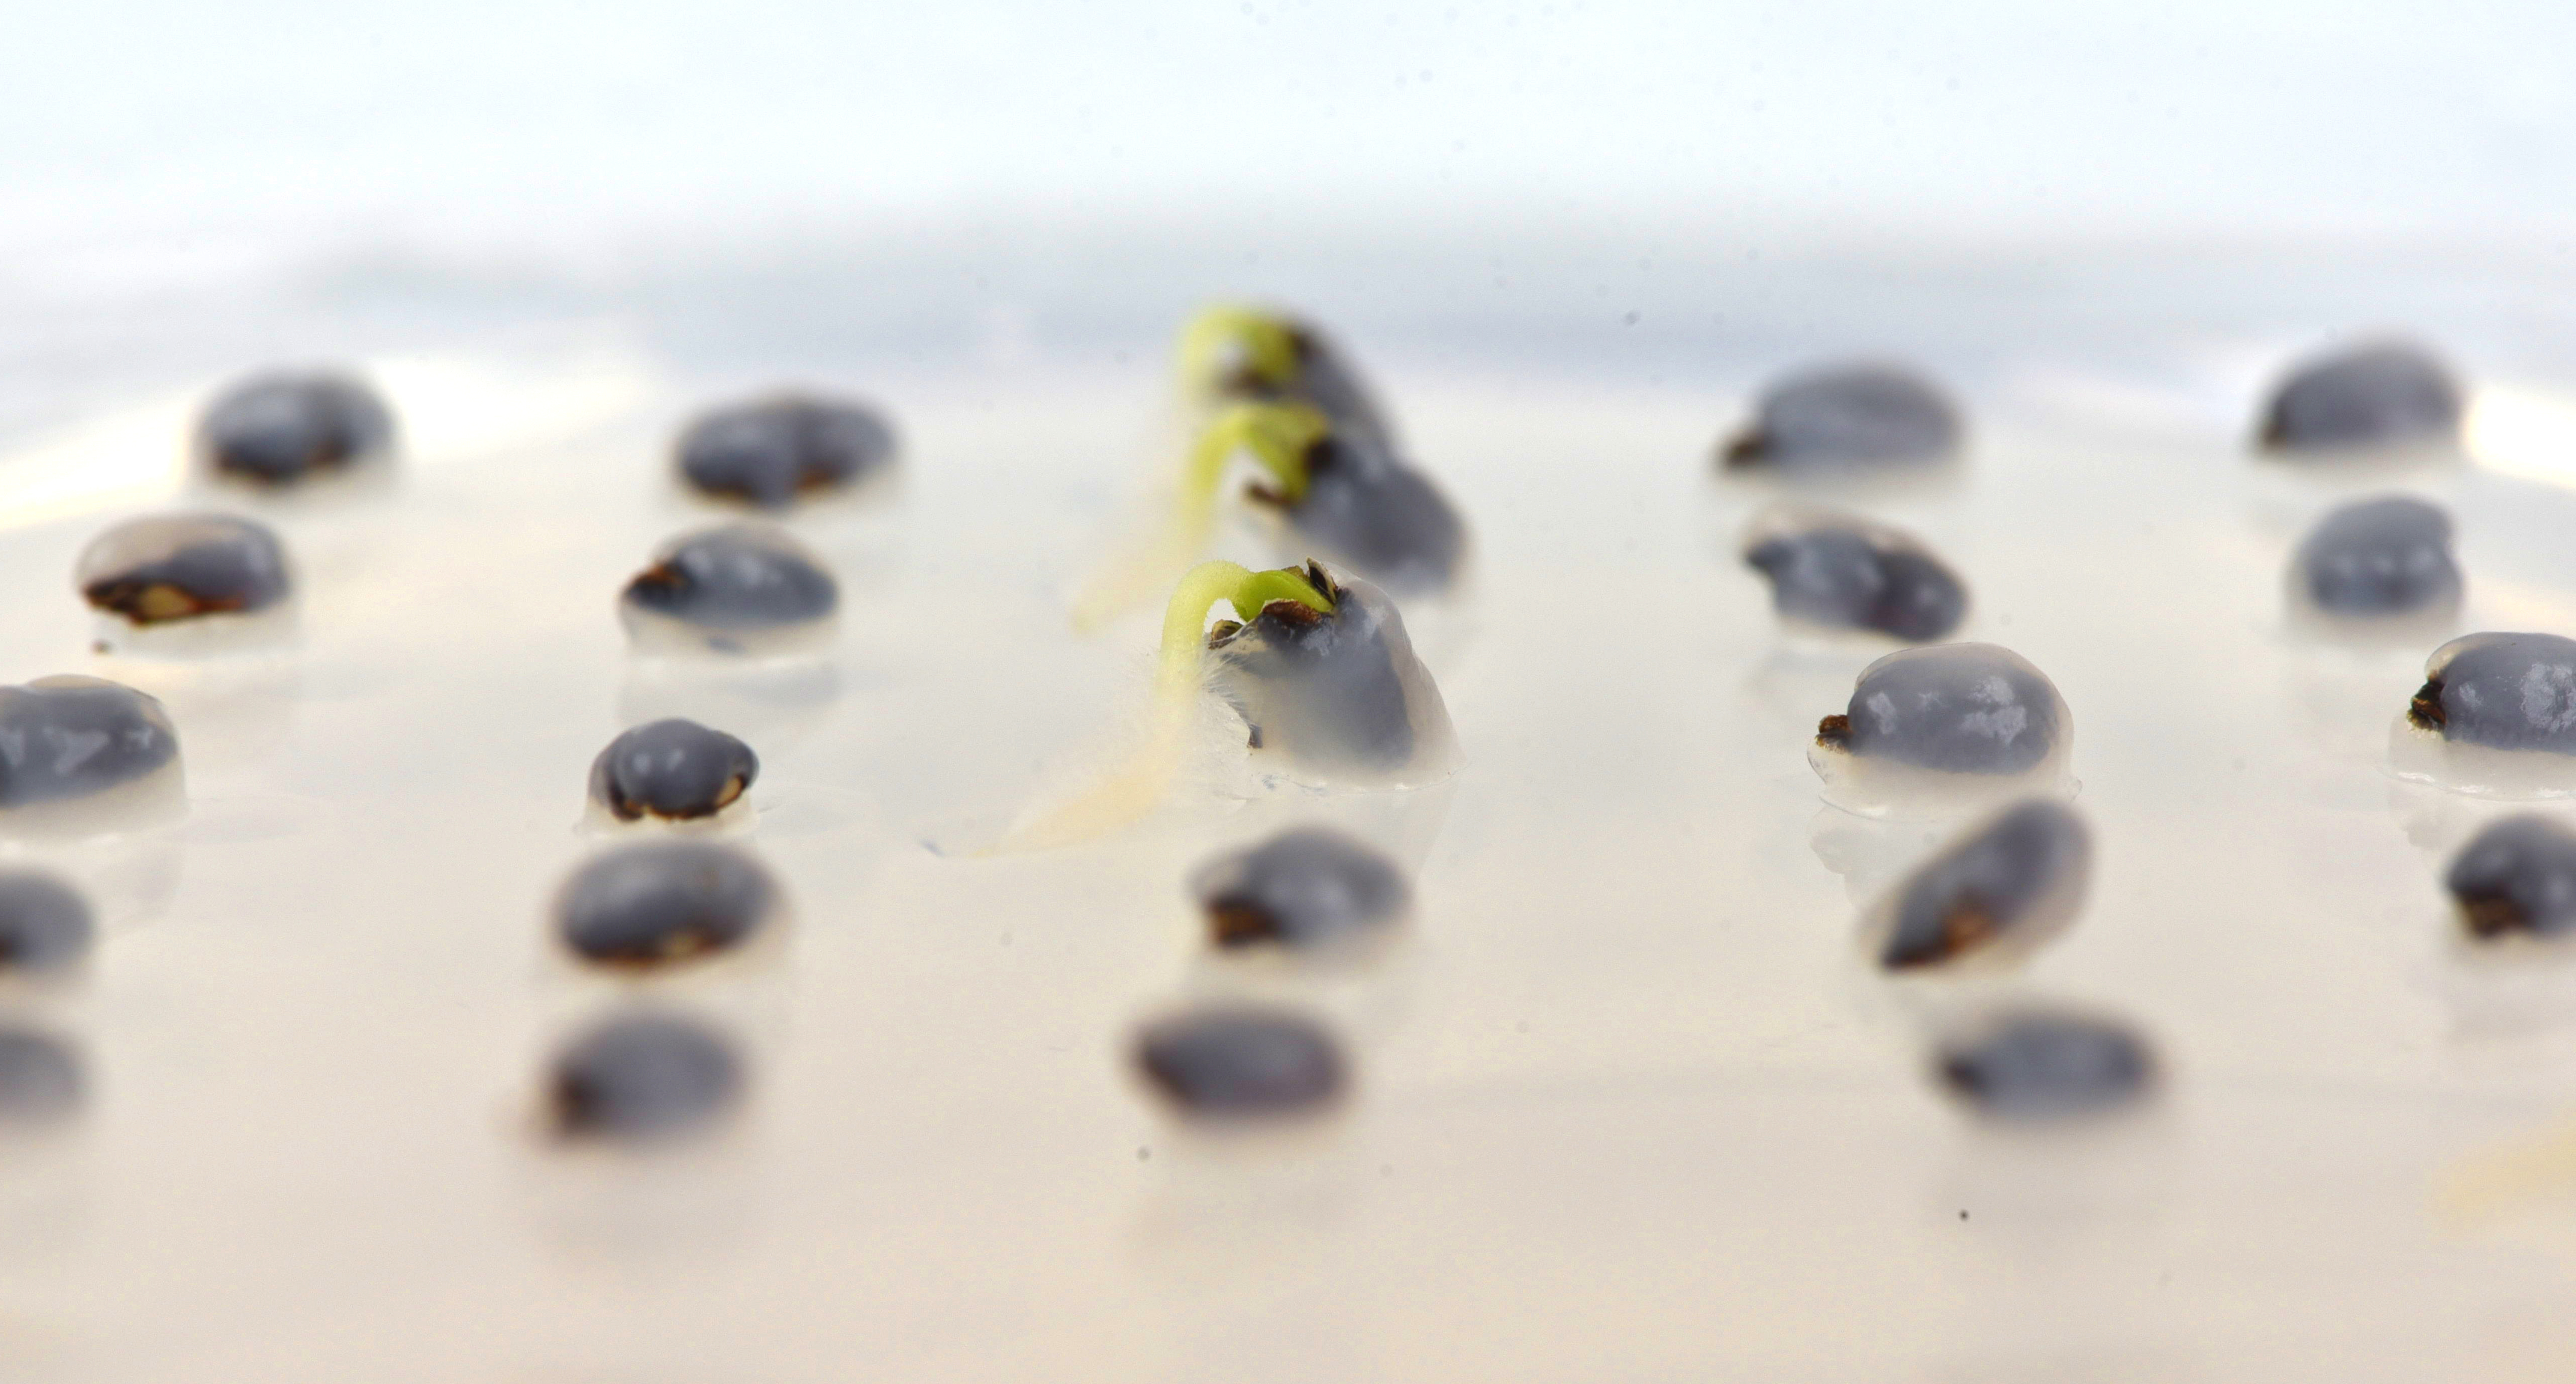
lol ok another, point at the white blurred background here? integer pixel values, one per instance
(1641, 189)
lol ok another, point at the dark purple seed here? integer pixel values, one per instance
(1304, 888)
(1241, 1062)
(773, 452)
(2388, 556)
(675, 768)
(734, 588)
(1383, 518)
(1322, 687)
(175, 567)
(1839, 571)
(1846, 416)
(2012, 882)
(2504, 691)
(660, 902)
(1963, 708)
(281, 429)
(643, 1076)
(70, 737)
(2517, 875)
(2034, 1065)
(2382, 394)
(44, 923)
(40, 1078)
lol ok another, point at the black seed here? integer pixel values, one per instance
(2506, 691)
(40, 1077)
(277, 430)
(1846, 415)
(672, 768)
(2010, 883)
(1386, 520)
(1323, 688)
(43, 922)
(1303, 888)
(1241, 1062)
(2388, 556)
(738, 578)
(2035, 1065)
(173, 567)
(70, 737)
(1964, 708)
(664, 901)
(643, 1076)
(2517, 875)
(775, 451)
(1843, 572)
(2376, 395)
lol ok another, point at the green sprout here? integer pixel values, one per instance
(1249, 592)
(1130, 792)
(1276, 436)
(1228, 347)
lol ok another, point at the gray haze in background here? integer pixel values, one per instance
(1645, 182)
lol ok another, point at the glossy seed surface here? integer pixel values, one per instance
(664, 901)
(673, 768)
(1839, 571)
(71, 737)
(40, 1077)
(773, 452)
(2516, 875)
(733, 588)
(2385, 394)
(2504, 691)
(1847, 415)
(2387, 556)
(1329, 690)
(282, 429)
(2011, 883)
(179, 566)
(643, 1076)
(1241, 1062)
(2038, 1066)
(1960, 708)
(44, 923)
(1309, 887)
(1383, 518)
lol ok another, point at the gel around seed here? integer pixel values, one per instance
(738, 589)
(1837, 572)
(643, 1077)
(2003, 888)
(85, 751)
(1846, 417)
(1947, 723)
(773, 452)
(1241, 1063)
(1303, 889)
(674, 769)
(2503, 691)
(1333, 694)
(208, 569)
(281, 430)
(662, 902)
